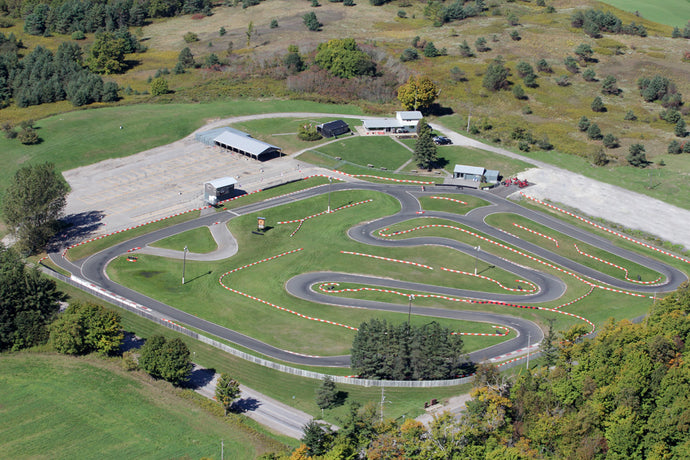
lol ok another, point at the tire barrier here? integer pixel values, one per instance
(388, 259)
(328, 288)
(537, 233)
(133, 249)
(265, 302)
(601, 227)
(301, 221)
(533, 289)
(403, 181)
(627, 278)
(515, 251)
(447, 199)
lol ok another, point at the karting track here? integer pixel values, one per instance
(550, 287)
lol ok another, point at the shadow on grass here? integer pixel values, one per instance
(198, 276)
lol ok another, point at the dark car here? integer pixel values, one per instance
(441, 140)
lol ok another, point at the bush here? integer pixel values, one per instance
(598, 105)
(191, 37)
(544, 143)
(686, 147)
(523, 146)
(496, 76)
(563, 80)
(630, 116)
(222, 31)
(571, 64)
(402, 14)
(589, 75)
(28, 136)
(480, 44)
(430, 50)
(515, 36)
(674, 147)
(159, 86)
(274, 24)
(311, 21)
(543, 66)
(610, 85)
(680, 130)
(456, 74)
(583, 124)
(166, 359)
(636, 156)
(519, 92)
(465, 50)
(409, 54)
(308, 132)
(593, 132)
(610, 141)
(670, 116)
(78, 35)
(599, 158)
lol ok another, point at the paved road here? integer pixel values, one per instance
(93, 268)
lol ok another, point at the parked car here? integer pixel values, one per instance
(442, 140)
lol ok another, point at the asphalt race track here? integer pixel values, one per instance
(550, 287)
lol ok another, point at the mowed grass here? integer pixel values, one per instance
(198, 240)
(292, 390)
(429, 203)
(453, 155)
(322, 239)
(85, 137)
(669, 12)
(379, 151)
(63, 407)
(566, 248)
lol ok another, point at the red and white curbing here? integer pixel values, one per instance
(601, 227)
(134, 249)
(509, 249)
(616, 266)
(447, 199)
(322, 287)
(405, 181)
(537, 233)
(265, 302)
(301, 221)
(388, 259)
(533, 289)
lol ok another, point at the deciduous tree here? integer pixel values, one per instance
(418, 93)
(168, 360)
(227, 391)
(32, 204)
(107, 54)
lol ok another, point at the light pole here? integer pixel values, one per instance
(529, 337)
(409, 310)
(476, 256)
(184, 262)
(330, 180)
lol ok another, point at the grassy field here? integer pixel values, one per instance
(379, 151)
(433, 204)
(669, 12)
(63, 407)
(198, 240)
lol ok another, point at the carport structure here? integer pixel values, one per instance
(246, 145)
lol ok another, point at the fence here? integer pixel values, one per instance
(132, 307)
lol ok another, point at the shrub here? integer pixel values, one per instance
(524, 68)
(78, 35)
(630, 116)
(670, 116)
(598, 105)
(571, 64)
(686, 147)
(8, 128)
(674, 147)
(519, 92)
(593, 132)
(430, 50)
(191, 37)
(544, 143)
(308, 132)
(530, 81)
(28, 136)
(222, 31)
(583, 124)
(456, 74)
(523, 146)
(610, 141)
(402, 14)
(610, 85)
(589, 75)
(480, 44)
(599, 158)
(159, 86)
(563, 80)
(636, 156)
(515, 36)
(349, 2)
(680, 128)
(550, 9)
(496, 76)
(527, 110)
(311, 21)
(465, 50)
(543, 66)
(513, 20)
(409, 54)
(274, 24)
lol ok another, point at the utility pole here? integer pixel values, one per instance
(383, 398)
(330, 180)
(529, 336)
(184, 262)
(476, 256)
(409, 311)
(222, 449)
(469, 116)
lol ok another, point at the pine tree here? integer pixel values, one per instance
(680, 128)
(227, 391)
(583, 124)
(424, 147)
(326, 393)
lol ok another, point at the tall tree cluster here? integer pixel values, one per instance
(87, 328)
(382, 350)
(28, 303)
(424, 152)
(166, 359)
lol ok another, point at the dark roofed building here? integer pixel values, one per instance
(333, 128)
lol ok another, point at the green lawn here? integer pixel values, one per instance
(379, 151)
(84, 137)
(669, 12)
(198, 240)
(55, 406)
(433, 204)
(452, 155)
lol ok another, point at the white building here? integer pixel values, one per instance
(404, 122)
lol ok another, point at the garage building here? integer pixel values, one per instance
(333, 128)
(240, 142)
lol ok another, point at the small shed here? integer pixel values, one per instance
(492, 175)
(218, 190)
(333, 128)
(473, 173)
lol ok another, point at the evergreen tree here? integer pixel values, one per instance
(317, 438)
(680, 130)
(519, 92)
(496, 76)
(583, 124)
(326, 394)
(610, 141)
(465, 50)
(593, 132)
(674, 147)
(424, 148)
(186, 58)
(610, 86)
(636, 156)
(598, 105)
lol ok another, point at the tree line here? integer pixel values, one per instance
(381, 350)
(623, 394)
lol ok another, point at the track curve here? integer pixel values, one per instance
(550, 287)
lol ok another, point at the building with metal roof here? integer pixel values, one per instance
(409, 117)
(492, 175)
(218, 190)
(333, 128)
(404, 122)
(473, 173)
(246, 145)
(207, 137)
